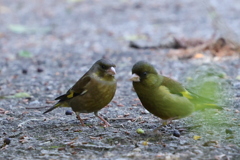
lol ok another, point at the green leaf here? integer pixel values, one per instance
(25, 54)
(238, 77)
(140, 131)
(53, 147)
(195, 137)
(134, 37)
(20, 29)
(19, 95)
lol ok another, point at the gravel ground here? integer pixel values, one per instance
(47, 45)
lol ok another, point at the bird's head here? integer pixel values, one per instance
(145, 73)
(104, 68)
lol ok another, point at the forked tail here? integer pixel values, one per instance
(52, 108)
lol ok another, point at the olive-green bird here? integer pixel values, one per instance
(93, 91)
(163, 96)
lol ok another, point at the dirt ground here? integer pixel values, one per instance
(47, 45)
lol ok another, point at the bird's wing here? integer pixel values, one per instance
(199, 98)
(78, 89)
(176, 88)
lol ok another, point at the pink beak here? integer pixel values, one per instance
(135, 78)
(111, 71)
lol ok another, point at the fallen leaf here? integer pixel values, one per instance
(238, 77)
(145, 143)
(25, 54)
(196, 137)
(140, 131)
(20, 29)
(19, 95)
(134, 37)
(198, 56)
(210, 143)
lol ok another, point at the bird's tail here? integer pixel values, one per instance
(204, 106)
(202, 103)
(52, 108)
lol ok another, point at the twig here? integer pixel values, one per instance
(121, 118)
(21, 124)
(37, 107)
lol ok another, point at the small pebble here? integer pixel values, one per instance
(137, 150)
(196, 151)
(237, 94)
(229, 131)
(68, 112)
(7, 141)
(39, 70)
(24, 71)
(176, 133)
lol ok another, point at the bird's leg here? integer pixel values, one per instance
(79, 118)
(169, 121)
(156, 129)
(164, 123)
(105, 122)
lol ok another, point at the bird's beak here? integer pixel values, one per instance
(135, 78)
(111, 71)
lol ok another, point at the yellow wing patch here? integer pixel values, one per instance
(70, 95)
(187, 94)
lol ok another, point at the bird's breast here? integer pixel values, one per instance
(98, 95)
(163, 104)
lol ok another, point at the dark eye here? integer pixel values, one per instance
(104, 67)
(144, 73)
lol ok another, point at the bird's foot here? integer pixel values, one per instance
(106, 124)
(81, 121)
(164, 124)
(168, 121)
(156, 131)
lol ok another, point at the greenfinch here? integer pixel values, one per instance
(93, 91)
(163, 96)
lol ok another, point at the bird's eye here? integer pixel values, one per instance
(104, 67)
(144, 73)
